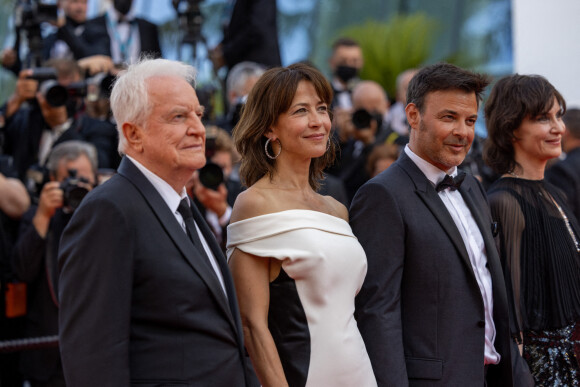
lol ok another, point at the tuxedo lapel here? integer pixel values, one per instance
(493, 262)
(175, 231)
(426, 192)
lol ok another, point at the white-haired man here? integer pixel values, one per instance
(146, 296)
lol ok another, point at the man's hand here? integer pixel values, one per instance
(215, 201)
(343, 124)
(8, 57)
(25, 89)
(216, 55)
(51, 199)
(97, 64)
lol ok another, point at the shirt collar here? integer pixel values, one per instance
(431, 172)
(168, 194)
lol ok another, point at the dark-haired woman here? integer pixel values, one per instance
(539, 236)
(296, 265)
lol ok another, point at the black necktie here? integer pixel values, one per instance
(187, 215)
(452, 183)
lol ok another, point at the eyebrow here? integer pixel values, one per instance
(453, 112)
(299, 104)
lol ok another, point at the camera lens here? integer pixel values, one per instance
(55, 94)
(211, 175)
(74, 196)
(361, 119)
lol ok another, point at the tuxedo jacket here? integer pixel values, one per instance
(420, 310)
(565, 175)
(96, 39)
(138, 304)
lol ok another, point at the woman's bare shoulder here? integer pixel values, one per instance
(338, 209)
(249, 203)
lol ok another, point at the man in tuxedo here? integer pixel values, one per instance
(146, 297)
(433, 309)
(565, 174)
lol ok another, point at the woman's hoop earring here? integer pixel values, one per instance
(268, 153)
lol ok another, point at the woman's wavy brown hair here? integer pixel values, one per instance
(512, 99)
(271, 96)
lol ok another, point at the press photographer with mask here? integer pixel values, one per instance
(72, 168)
(370, 106)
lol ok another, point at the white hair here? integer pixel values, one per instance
(240, 73)
(130, 97)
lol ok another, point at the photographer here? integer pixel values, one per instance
(213, 187)
(370, 106)
(240, 81)
(44, 112)
(72, 170)
(14, 201)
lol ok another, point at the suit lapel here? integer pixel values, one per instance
(429, 196)
(223, 266)
(175, 231)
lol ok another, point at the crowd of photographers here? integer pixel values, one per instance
(58, 140)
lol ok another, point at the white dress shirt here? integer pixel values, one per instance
(173, 199)
(474, 244)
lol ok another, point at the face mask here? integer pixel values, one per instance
(123, 6)
(346, 73)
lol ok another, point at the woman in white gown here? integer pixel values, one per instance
(297, 266)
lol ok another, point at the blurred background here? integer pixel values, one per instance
(493, 36)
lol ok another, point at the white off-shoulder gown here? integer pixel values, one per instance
(312, 300)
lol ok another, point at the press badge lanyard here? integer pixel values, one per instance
(124, 45)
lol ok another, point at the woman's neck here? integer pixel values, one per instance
(529, 169)
(291, 174)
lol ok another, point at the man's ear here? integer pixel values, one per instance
(413, 115)
(134, 136)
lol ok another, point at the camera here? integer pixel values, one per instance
(211, 175)
(94, 88)
(361, 119)
(29, 14)
(74, 190)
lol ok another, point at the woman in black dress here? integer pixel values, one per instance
(539, 236)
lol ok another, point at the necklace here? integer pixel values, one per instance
(513, 174)
(567, 223)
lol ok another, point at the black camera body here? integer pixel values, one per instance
(30, 14)
(361, 119)
(211, 175)
(98, 86)
(74, 190)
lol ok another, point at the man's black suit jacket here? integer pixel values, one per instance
(565, 175)
(252, 34)
(139, 306)
(420, 310)
(96, 39)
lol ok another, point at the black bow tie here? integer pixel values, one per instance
(452, 183)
